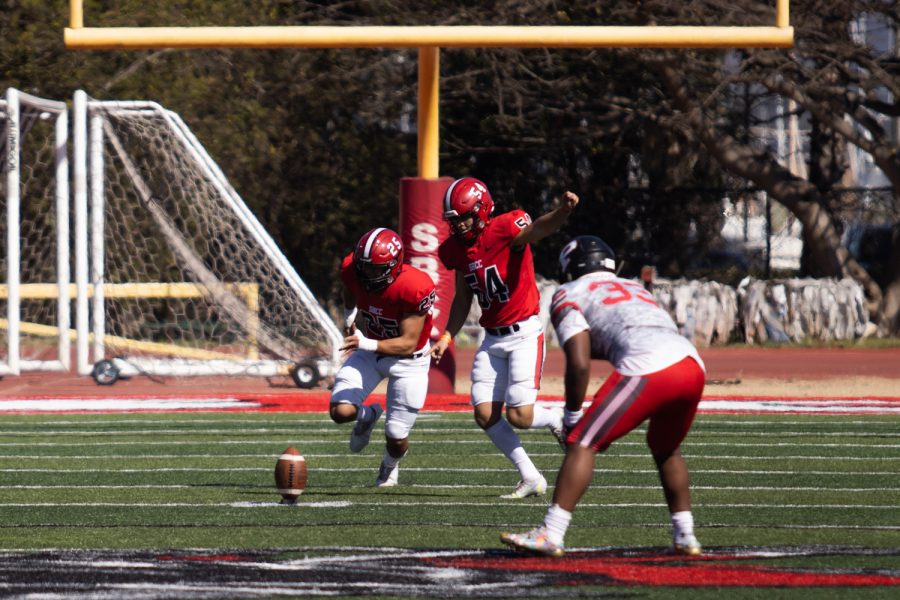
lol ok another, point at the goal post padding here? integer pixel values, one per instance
(185, 279)
(423, 229)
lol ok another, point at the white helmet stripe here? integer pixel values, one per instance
(367, 252)
(447, 207)
(566, 252)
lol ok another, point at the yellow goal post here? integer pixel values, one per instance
(429, 39)
(778, 35)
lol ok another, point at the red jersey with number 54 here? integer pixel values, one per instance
(412, 292)
(501, 278)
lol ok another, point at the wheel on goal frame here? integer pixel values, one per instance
(305, 374)
(105, 372)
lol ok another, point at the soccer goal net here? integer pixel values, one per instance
(178, 276)
(34, 266)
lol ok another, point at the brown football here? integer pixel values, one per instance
(290, 474)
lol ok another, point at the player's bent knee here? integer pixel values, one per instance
(399, 424)
(397, 448)
(396, 431)
(661, 455)
(487, 414)
(481, 393)
(342, 412)
(485, 422)
(520, 416)
(520, 395)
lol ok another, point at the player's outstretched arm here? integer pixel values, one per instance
(548, 223)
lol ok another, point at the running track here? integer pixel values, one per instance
(39, 392)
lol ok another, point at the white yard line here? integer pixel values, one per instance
(438, 470)
(244, 432)
(365, 457)
(688, 444)
(443, 504)
(311, 418)
(424, 456)
(426, 486)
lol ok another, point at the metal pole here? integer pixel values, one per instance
(80, 197)
(63, 274)
(96, 233)
(782, 13)
(429, 112)
(76, 14)
(13, 241)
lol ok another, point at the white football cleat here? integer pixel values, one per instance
(560, 434)
(687, 546)
(528, 488)
(362, 431)
(387, 477)
(535, 541)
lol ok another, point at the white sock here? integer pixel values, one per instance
(682, 525)
(507, 441)
(364, 414)
(544, 417)
(571, 418)
(391, 462)
(557, 522)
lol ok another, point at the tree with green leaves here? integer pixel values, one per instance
(317, 140)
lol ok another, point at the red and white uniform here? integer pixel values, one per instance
(508, 364)
(412, 292)
(380, 313)
(502, 279)
(658, 373)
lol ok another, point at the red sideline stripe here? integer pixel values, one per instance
(690, 572)
(317, 401)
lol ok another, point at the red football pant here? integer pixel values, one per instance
(669, 398)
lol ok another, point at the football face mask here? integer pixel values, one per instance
(467, 208)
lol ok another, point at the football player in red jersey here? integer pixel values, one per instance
(387, 310)
(492, 258)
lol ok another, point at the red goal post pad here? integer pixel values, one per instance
(422, 229)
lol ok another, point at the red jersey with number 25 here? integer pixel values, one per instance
(501, 278)
(411, 292)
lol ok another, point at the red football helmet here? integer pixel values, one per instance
(468, 198)
(378, 258)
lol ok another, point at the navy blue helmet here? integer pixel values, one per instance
(585, 254)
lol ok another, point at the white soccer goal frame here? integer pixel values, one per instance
(89, 244)
(14, 290)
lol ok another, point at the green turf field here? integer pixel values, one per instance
(159, 482)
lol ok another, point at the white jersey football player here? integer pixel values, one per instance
(388, 321)
(658, 377)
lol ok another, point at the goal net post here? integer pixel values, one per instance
(175, 274)
(35, 294)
